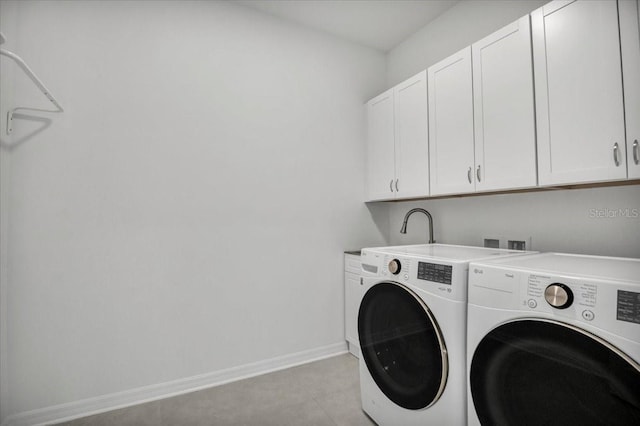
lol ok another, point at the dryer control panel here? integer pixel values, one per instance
(557, 295)
(628, 306)
(598, 303)
(597, 292)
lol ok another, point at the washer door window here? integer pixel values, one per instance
(402, 346)
(537, 372)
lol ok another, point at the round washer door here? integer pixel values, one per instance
(402, 346)
(539, 372)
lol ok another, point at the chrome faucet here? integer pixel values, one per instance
(403, 230)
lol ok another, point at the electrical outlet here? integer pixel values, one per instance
(516, 245)
(492, 242)
(512, 242)
(519, 243)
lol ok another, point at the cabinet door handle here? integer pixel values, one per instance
(616, 160)
(397, 190)
(391, 185)
(469, 174)
(478, 173)
(635, 152)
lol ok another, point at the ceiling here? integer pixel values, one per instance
(380, 24)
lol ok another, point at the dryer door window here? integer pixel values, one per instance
(402, 346)
(539, 372)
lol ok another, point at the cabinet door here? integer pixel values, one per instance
(504, 121)
(630, 44)
(352, 298)
(451, 125)
(380, 147)
(412, 146)
(578, 88)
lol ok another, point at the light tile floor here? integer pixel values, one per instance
(322, 393)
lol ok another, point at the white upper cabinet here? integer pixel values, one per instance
(630, 44)
(380, 147)
(505, 139)
(398, 151)
(481, 115)
(451, 156)
(540, 102)
(412, 147)
(578, 89)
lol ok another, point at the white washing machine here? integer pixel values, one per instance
(554, 339)
(411, 328)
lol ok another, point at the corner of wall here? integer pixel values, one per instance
(8, 26)
(380, 215)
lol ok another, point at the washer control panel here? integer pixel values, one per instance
(395, 266)
(440, 277)
(435, 272)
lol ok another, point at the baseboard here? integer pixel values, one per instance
(354, 349)
(90, 406)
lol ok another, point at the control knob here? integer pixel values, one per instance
(394, 267)
(558, 295)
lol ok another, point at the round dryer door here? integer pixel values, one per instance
(539, 372)
(402, 346)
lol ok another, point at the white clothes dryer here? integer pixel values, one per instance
(554, 339)
(411, 328)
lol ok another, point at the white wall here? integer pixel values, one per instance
(463, 24)
(598, 221)
(558, 220)
(8, 15)
(188, 212)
